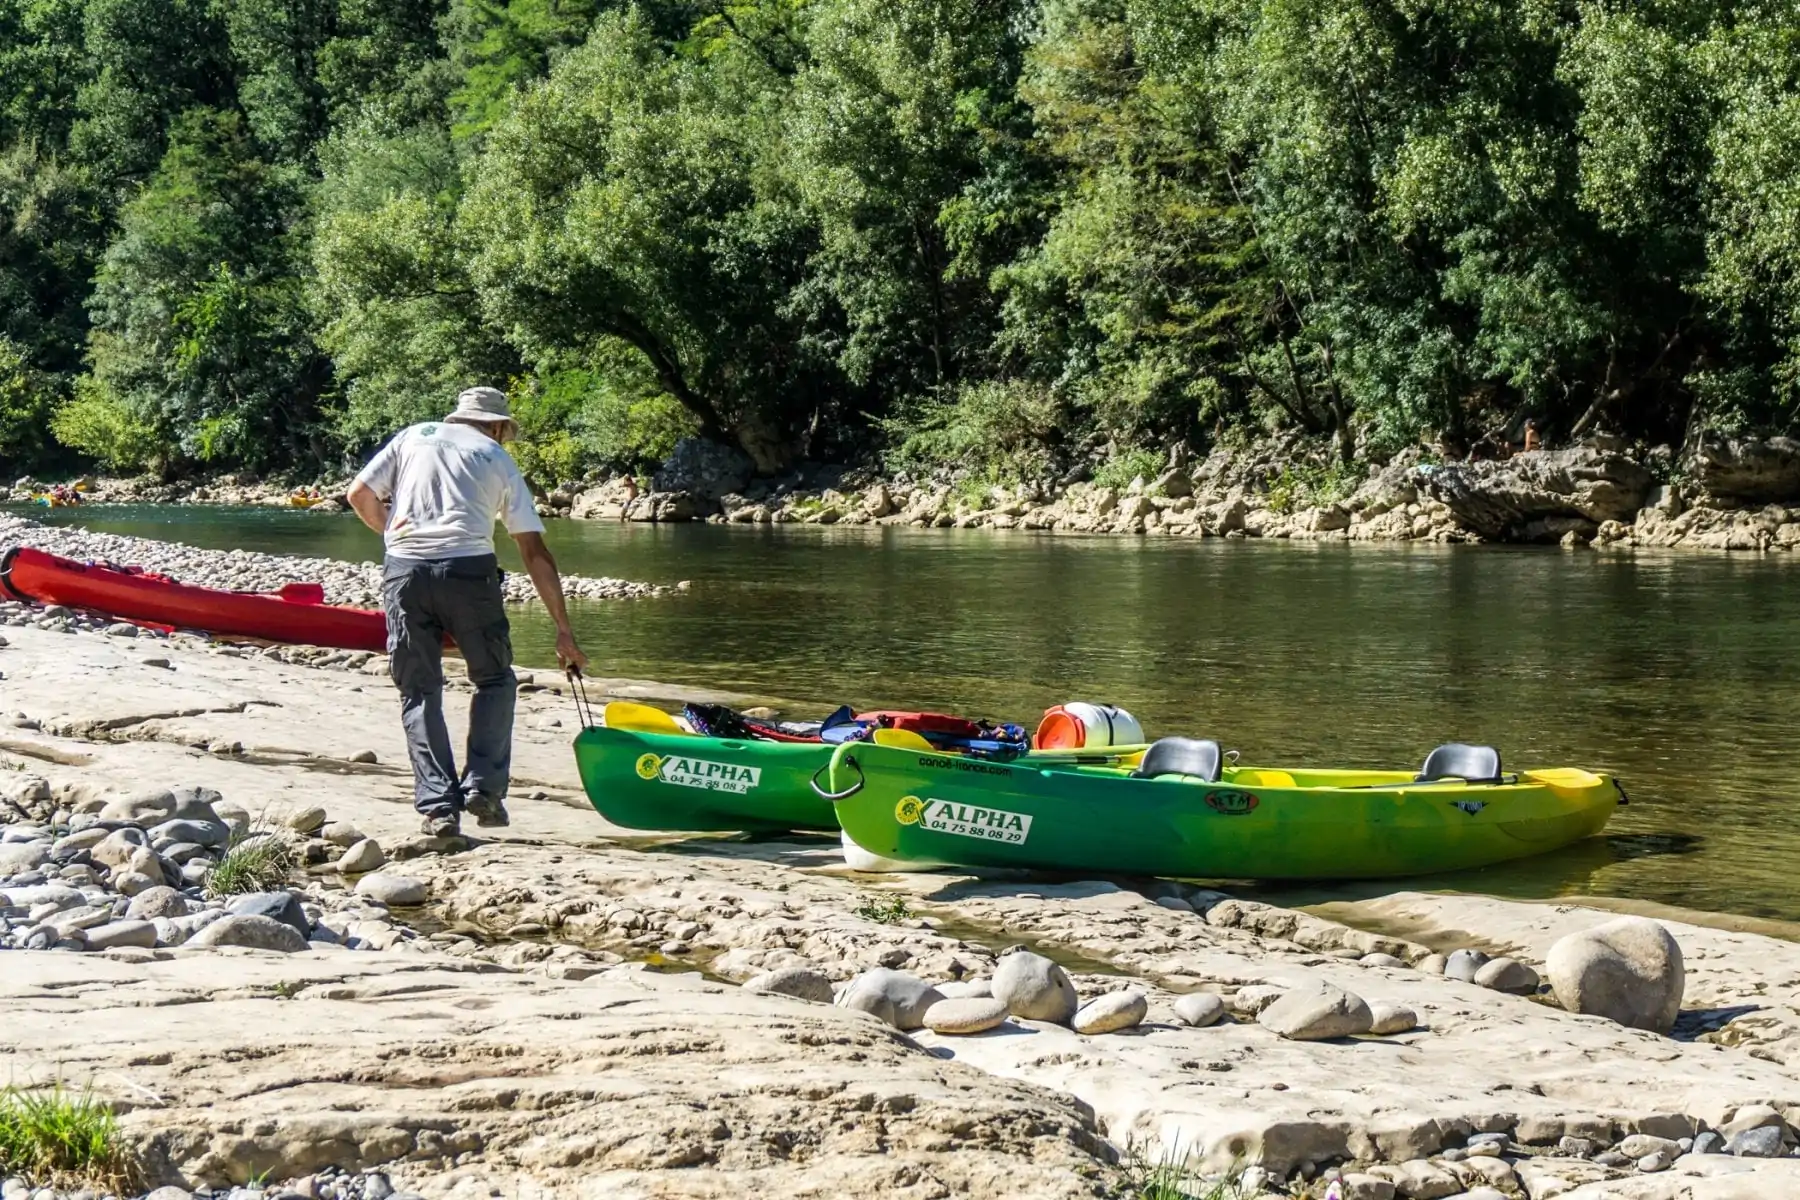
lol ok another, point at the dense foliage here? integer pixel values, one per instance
(994, 234)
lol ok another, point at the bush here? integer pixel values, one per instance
(26, 404)
(1118, 472)
(1308, 485)
(98, 423)
(1001, 431)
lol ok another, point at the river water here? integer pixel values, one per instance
(1678, 671)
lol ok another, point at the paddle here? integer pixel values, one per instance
(639, 718)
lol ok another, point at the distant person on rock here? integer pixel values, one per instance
(434, 493)
(1532, 441)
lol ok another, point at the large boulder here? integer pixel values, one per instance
(1628, 970)
(1746, 472)
(1034, 988)
(706, 470)
(1537, 494)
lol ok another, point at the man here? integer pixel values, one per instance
(433, 493)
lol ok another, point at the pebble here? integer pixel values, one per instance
(1464, 965)
(307, 820)
(281, 906)
(1199, 1009)
(365, 855)
(341, 833)
(1709, 1142)
(393, 889)
(1111, 1013)
(965, 1015)
(1507, 975)
(1034, 988)
(1387, 1018)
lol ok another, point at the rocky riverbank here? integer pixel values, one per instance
(1721, 494)
(567, 1010)
(357, 584)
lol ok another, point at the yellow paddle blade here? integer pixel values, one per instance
(901, 739)
(638, 718)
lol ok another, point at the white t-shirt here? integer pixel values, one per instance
(445, 485)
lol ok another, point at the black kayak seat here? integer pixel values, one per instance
(1477, 764)
(1181, 756)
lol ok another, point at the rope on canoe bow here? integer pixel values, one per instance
(584, 707)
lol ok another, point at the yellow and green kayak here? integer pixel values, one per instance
(1184, 813)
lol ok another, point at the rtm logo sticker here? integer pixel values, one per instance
(964, 820)
(1232, 804)
(683, 771)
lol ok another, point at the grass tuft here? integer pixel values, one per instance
(1169, 1177)
(890, 910)
(258, 861)
(54, 1134)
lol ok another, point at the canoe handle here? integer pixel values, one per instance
(848, 792)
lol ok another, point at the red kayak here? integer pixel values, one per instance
(297, 613)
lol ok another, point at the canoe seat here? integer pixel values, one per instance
(1477, 764)
(1181, 756)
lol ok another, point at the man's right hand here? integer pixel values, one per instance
(568, 654)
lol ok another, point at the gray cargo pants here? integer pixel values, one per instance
(425, 599)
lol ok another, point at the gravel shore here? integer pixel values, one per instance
(357, 584)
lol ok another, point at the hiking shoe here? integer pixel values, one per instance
(489, 812)
(449, 825)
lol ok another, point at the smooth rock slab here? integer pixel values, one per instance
(1628, 970)
(896, 997)
(801, 983)
(121, 933)
(256, 932)
(1034, 988)
(1111, 1013)
(1199, 1008)
(1316, 1013)
(965, 1015)
(400, 890)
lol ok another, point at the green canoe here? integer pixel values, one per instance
(678, 781)
(1245, 823)
(643, 771)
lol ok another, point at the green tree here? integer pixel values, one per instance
(620, 201)
(200, 333)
